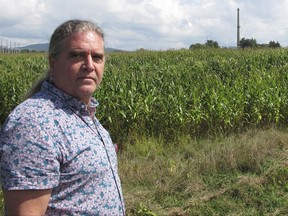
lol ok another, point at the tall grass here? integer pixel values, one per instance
(199, 93)
(171, 93)
(244, 174)
(18, 72)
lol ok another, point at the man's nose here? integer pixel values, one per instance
(88, 63)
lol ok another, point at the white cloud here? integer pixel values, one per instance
(150, 24)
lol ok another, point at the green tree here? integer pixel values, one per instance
(208, 44)
(196, 46)
(248, 43)
(212, 44)
(274, 44)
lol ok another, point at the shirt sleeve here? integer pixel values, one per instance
(28, 158)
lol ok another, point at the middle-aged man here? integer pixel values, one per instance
(56, 158)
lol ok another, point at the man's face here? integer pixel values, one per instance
(79, 68)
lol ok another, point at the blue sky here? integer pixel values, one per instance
(149, 24)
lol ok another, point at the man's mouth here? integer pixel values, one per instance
(87, 78)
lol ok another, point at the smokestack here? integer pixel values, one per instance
(238, 28)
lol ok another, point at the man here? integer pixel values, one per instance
(56, 158)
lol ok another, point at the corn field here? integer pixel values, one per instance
(175, 92)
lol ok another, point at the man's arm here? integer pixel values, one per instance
(26, 202)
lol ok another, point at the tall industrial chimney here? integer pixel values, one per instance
(238, 28)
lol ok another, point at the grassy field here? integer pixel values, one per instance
(243, 174)
(200, 132)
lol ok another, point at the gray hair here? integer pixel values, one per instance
(56, 43)
(66, 29)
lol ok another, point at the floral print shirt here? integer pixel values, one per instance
(51, 141)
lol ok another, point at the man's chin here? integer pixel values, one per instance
(87, 90)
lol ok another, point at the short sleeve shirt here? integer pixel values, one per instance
(51, 141)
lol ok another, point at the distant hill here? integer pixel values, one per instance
(44, 48)
(36, 47)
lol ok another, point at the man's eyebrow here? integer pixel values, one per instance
(98, 54)
(75, 51)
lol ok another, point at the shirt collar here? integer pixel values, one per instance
(71, 101)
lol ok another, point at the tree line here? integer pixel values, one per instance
(243, 43)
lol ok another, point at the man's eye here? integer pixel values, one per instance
(98, 58)
(75, 55)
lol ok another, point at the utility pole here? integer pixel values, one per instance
(238, 28)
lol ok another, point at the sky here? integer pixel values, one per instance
(148, 24)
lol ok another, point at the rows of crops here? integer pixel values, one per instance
(174, 92)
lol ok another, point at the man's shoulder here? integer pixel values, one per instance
(33, 108)
(35, 103)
